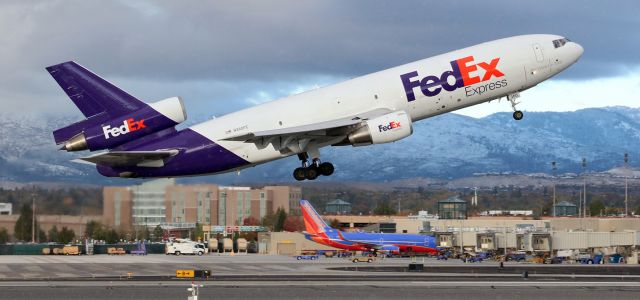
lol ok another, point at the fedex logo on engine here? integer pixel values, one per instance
(391, 125)
(465, 73)
(128, 125)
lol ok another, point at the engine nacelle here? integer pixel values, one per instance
(384, 129)
(117, 131)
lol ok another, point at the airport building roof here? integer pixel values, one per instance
(455, 199)
(339, 201)
(565, 203)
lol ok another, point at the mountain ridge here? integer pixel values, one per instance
(448, 146)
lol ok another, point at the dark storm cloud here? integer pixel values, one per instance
(210, 52)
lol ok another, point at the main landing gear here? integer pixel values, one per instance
(517, 115)
(313, 170)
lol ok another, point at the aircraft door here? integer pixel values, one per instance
(538, 52)
(538, 70)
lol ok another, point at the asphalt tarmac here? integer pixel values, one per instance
(322, 290)
(282, 277)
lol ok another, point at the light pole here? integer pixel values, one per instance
(584, 186)
(33, 218)
(553, 171)
(626, 185)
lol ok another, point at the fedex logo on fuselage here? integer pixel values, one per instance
(463, 71)
(391, 125)
(128, 125)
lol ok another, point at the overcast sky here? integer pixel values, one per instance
(223, 56)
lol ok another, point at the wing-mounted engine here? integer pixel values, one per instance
(105, 132)
(387, 128)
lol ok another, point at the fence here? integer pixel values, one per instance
(36, 249)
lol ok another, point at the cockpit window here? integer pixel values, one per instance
(560, 42)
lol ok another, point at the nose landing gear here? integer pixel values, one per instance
(313, 170)
(517, 114)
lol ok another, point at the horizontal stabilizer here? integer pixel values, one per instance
(130, 158)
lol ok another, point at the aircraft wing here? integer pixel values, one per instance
(328, 129)
(377, 246)
(130, 158)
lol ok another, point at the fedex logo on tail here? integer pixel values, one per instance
(391, 125)
(128, 125)
(465, 73)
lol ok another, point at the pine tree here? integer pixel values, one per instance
(158, 233)
(53, 234)
(24, 224)
(281, 216)
(4, 235)
(66, 235)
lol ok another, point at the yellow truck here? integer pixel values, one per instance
(116, 251)
(71, 250)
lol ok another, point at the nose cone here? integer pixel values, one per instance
(577, 51)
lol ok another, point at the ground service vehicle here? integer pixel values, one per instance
(115, 251)
(517, 256)
(180, 247)
(71, 250)
(307, 257)
(362, 259)
(616, 259)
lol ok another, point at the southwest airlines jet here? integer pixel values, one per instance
(140, 139)
(319, 232)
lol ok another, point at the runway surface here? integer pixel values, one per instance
(282, 277)
(325, 290)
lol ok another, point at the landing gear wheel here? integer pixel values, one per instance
(518, 115)
(300, 174)
(311, 173)
(326, 168)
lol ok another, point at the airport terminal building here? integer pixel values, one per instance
(163, 202)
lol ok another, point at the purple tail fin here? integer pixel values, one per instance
(97, 99)
(92, 94)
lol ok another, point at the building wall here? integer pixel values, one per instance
(148, 200)
(268, 242)
(6, 209)
(117, 207)
(192, 203)
(412, 225)
(287, 197)
(162, 201)
(234, 205)
(46, 222)
(595, 224)
(452, 210)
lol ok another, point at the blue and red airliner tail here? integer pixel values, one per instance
(319, 232)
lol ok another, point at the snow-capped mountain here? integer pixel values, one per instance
(447, 146)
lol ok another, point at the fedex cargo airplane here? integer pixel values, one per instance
(319, 232)
(140, 139)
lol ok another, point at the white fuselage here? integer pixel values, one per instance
(524, 61)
